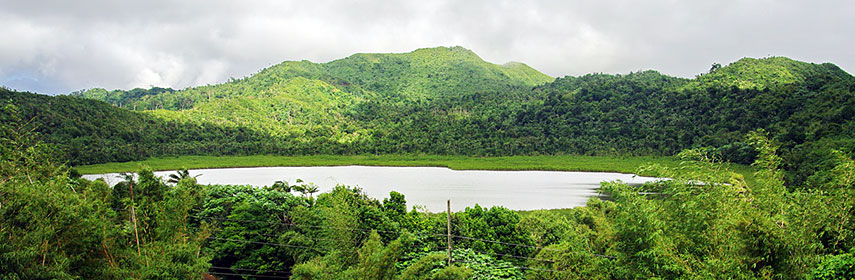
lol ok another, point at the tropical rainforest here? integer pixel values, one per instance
(793, 121)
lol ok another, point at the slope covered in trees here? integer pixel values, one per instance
(806, 107)
(449, 101)
(57, 225)
(88, 131)
(788, 223)
(423, 74)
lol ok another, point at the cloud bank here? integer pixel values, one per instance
(60, 46)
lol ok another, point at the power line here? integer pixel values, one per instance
(321, 249)
(434, 248)
(512, 256)
(249, 275)
(603, 256)
(234, 220)
(306, 247)
(316, 226)
(347, 228)
(504, 243)
(416, 233)
(334, 239)
(284, 245)
(297, 225)
(523, 245)
(511, 266)
(266, 243)
(249, 269)
(355, 242)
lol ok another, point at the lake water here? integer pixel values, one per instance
(429, 186)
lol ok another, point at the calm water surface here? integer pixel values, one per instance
(429, 186)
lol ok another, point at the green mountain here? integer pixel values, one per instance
(439, 101)
(292, 99)
(424, 74)
(449, 101)
(771, 73)
(90, 131)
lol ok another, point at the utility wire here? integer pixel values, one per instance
(504, 243)
(249, 269)
(602, 256)
(513, 256)
(305, 247)
(333, 239)
(523, 245)
(355, 242)
(267, 243)
(418, 233)
(249, 275)
(287, 245)
(314, 226)
(296, 225)
(506, 267)
(344, 228)
(321, 249)
(234, 220)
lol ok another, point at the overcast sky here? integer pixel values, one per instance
(61, 46)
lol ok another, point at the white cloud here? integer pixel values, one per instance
(60, 46)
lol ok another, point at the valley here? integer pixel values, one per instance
(758, 154)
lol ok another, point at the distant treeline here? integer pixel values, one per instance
(447, 101)
(56, 225)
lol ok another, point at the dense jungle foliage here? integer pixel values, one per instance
(447, 101)
(707, 222)
(795, 121)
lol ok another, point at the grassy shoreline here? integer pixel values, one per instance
(553, 163)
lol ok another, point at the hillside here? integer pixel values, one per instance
(89, 131)
(343, 97)
(779, 95)
(788, 223)
(448, 101)
(424, 74)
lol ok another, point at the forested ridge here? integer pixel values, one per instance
(706, 222)
(793, 120)
(447, 101)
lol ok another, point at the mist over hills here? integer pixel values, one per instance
(449, 101)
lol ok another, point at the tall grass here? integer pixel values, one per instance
(556, 163)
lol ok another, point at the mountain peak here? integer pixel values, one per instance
(768, 72)
(453, 53)
(443, 49)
